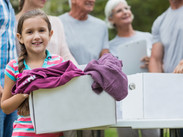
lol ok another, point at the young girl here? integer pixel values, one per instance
(57, 44)
(33, 32)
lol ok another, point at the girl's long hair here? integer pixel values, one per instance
(23, 109)
(21, 4)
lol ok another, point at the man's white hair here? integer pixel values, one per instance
(70, 4)
(110, 5)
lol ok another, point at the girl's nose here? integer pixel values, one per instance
(36, 35)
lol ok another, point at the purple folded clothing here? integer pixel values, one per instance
(41, 78)
(107, 75)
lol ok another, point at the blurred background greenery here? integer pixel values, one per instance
(145, 11)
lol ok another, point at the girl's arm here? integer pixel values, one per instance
(9, 102)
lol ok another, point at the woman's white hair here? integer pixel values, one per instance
(110, 5)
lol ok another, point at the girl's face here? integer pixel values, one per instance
(121, 15)
(37, 3)
(35, 35)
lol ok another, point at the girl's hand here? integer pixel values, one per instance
(179, 67)
(11, 104)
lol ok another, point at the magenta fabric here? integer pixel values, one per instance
(107, 75)
(41, 78)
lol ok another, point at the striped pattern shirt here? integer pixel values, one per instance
(12, 67)
(7, 36)
(23, 127)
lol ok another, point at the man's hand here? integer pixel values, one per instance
(103, 52)
(179, 67)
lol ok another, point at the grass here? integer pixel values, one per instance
(112, 132)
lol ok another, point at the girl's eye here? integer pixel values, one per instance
(29, 32)
(42, 30)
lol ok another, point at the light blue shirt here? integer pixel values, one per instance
(7, 36)
(85, 39)
(168, 29)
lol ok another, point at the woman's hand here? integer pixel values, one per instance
(146, 62)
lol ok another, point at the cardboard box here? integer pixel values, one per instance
(70, 107)
(154, 100)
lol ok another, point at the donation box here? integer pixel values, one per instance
(155, 100)
(70, 107)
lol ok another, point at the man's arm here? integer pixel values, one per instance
(156, 59)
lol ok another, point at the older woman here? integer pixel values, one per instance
(120, 17)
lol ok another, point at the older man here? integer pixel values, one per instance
(167, 50)
(86, 36)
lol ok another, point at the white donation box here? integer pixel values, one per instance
(155, 100)
(71, 106)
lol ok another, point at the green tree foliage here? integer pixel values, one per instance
(145, 11)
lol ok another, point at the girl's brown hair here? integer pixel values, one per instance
(21, 4)
(24, 107)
